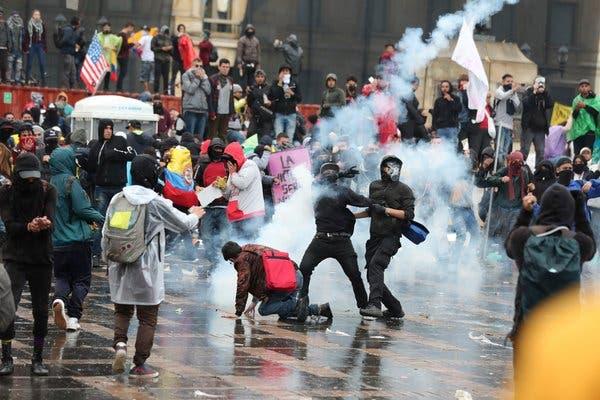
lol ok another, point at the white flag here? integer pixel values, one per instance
(466, 55)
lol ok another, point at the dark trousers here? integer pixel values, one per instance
(218, 127)
(261, 128)
(582, 141)
(147, 317)
(106, 81)
(214, 230)
(341, 250)
(161, 69)
(36, 51)
(39, 278)
(538, 138)
(176, 67)
(4, 65)
(379, 252)
(69, 71)
(73, 276)
(195, 123)
(478, 139)
(123, 67)
(248, 78)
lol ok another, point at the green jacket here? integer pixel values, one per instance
(111, 44)
(583, 120)
(501, 196)
(74, 212)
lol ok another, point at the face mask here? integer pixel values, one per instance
(28, 143)
(390, 171)
(250, 33)
(507, 87)
(329, 176)
(578, 168)
(565, 177)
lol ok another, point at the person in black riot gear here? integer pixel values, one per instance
(335, 225)
(392, 209)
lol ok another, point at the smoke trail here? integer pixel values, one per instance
(430, 170)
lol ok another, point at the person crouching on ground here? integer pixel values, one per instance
(251, 279)
(139, 284)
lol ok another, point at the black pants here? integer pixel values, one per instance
(106, 81)
(73, 276)
(582, 141)
(39, 278)
(3, 65)
(341, 250)
(248, 78)
(538, 138)
(379, 252)
(123, 67)
(161, 69)
(478, 139)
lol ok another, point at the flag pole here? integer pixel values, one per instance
(489, 214)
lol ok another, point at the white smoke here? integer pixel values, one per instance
(430, 170)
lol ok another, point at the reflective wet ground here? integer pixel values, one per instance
(452, 338)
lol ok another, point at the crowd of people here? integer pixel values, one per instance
(127, 200)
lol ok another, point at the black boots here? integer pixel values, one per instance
(325, 311)
(371, 311)
(302, 309)
(37, 367)
(7, 367)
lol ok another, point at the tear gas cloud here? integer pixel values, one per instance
(430, 170)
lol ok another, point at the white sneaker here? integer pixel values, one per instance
(118, 366)
(73, 324)
(60, 316)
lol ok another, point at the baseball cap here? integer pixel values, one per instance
(28, 166)
(135, 124)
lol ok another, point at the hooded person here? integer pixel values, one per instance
(27, 209)
(72, 240)
(393, 207)
(246, 206)
(140, 285)
(560, 210)
(62, 104)
(333, 97)
(292, 52)
(543, 178)
(565, 175)
(248, 55)
(53, 118)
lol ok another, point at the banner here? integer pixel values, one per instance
(281, 165)
(560, 114)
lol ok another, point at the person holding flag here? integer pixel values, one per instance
(111, 45)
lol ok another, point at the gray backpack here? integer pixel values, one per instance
(125, 234)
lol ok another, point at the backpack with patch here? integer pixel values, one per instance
(125, 233)
(551, 264)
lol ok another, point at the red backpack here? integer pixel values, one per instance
(280, 271)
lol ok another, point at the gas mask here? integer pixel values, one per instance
(390, 170)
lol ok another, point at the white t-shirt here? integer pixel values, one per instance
(147, 53)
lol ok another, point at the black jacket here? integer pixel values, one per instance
(69, 38)
(331, 212)
(108, 159)
(282, 104)
(139, 143)
(22, 246)
(395, 195)
(534, 111)
(256, 101)
(445, 113)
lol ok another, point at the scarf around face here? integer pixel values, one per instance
(14, 22)
(37, 25)
(515, 168)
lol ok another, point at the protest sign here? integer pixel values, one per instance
(281, 165)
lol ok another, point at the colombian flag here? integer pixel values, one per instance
(179, 181)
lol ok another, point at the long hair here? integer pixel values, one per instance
(5, 161)
(449, 84)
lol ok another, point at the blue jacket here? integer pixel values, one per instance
(74, 211)
(576, 186)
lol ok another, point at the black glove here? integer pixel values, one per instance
(349, 173)
(376, 209)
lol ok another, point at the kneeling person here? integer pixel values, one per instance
(248, 262)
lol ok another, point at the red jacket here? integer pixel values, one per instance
(187, 52)
(385, 113)
(206, 48)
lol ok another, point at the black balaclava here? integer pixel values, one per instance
(557, 207)
(28, 194)
(579, 168)
(543, 178)
(216, 149)
(329, 172)
(566, 176)
(145, 171)
(390, 168)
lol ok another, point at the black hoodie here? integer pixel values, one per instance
(108, 158)
(543, 177)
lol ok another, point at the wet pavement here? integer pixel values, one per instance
(452, 338)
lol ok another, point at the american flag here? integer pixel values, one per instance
(94, 67)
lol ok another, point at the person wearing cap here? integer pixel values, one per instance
(247, 55)
(34, 45)
(284, 96)
(261, 121)
(586, 125)
(111, 44)
(534, 120)
(221, 100)
(335, 225)
(27, 209)
(137, 138)
(161, 46)
(72, 240)
(292, 52)
(333, 97)
(144, 48)
(196, 90)
(141, 289)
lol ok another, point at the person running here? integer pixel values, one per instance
(139, 285)
(27, 210)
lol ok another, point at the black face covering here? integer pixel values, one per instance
(507, 87)
(565, 177)
(249, 33)
(390, 171)
(329, 176)
(215, 153)
(578, 168)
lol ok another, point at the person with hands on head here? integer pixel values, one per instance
(196, 89)
(27, 209)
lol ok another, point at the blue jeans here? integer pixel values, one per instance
(102, 197)
(286, 124)
(214, 230)
(195, 122)
(73, 276)
(283, 303)
(504, 144)
(449, 135)
(36, 51)
(463, 221)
